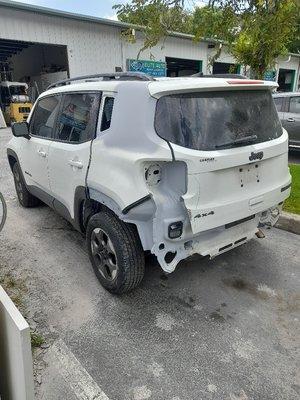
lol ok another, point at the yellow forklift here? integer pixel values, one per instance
(14, 101)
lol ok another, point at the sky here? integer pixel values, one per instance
(96, 8)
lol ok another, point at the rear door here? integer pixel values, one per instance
(70, 151)
(291, 121)
(35, 152)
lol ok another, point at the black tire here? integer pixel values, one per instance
(4, 211)
(26, 199)
(127, 254)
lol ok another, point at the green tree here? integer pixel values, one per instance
(157, 17)
(256, 32)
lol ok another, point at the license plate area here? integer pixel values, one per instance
(249, 174)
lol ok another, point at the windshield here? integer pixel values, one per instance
(214, 120)
(17, 90)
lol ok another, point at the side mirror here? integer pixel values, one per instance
(20, 129)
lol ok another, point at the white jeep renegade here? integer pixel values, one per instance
(172, 166)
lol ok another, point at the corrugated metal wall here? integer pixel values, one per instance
(91, 47)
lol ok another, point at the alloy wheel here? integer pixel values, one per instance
(104, 254)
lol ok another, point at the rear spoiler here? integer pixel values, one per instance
(161, 88)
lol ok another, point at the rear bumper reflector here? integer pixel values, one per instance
(240, 221)
(284, 188)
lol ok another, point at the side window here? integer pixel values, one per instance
(107, 113)
(78, 117)
(44, 117)
(295, 105)
(278, 103)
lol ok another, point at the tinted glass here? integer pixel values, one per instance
(278, 103)
(212, 120)
(44, 117)
(107, 113)
(295, 105)
(78, 117)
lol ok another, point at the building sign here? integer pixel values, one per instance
(270, 75)
(153, 68)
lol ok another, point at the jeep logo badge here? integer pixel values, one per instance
(256, 156)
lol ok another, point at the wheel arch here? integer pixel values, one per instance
(137, 214)
(88, 202)
(12, 158)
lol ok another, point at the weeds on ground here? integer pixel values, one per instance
(16, 288)
(36, 340)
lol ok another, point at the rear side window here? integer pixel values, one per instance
(78, 116)
(44, 117)
(107, 113)
(278, 103)
(295, 105)
(214, 120)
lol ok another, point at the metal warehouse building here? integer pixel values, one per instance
(40, 45)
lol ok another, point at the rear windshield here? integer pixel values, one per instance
(215, 120)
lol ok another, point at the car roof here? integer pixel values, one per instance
(164, 86)
(286, 94)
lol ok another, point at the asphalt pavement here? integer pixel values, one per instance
(226, 328)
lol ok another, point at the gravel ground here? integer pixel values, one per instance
(221, 329)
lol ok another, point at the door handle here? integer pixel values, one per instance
(42, 153)
(291, 120)
(76, 164)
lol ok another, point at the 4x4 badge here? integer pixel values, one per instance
(256, 156)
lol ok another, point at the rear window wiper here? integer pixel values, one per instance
(246, 139)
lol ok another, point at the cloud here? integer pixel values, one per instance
(200, 4)
(113, 17)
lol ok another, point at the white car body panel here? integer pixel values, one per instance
(68, 164)
(224, 185)
(33, 157)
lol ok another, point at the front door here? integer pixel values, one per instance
(35, 152)
(69, 153)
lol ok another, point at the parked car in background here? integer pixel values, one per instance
(288, 107)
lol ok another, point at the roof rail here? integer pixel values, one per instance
(122, 76)
(236, 76)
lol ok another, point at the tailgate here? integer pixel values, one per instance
(227, 186)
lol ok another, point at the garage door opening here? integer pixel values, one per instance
(36, 64)
(226, 68)
(26, 70)
(286, 80)
(182, 67)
